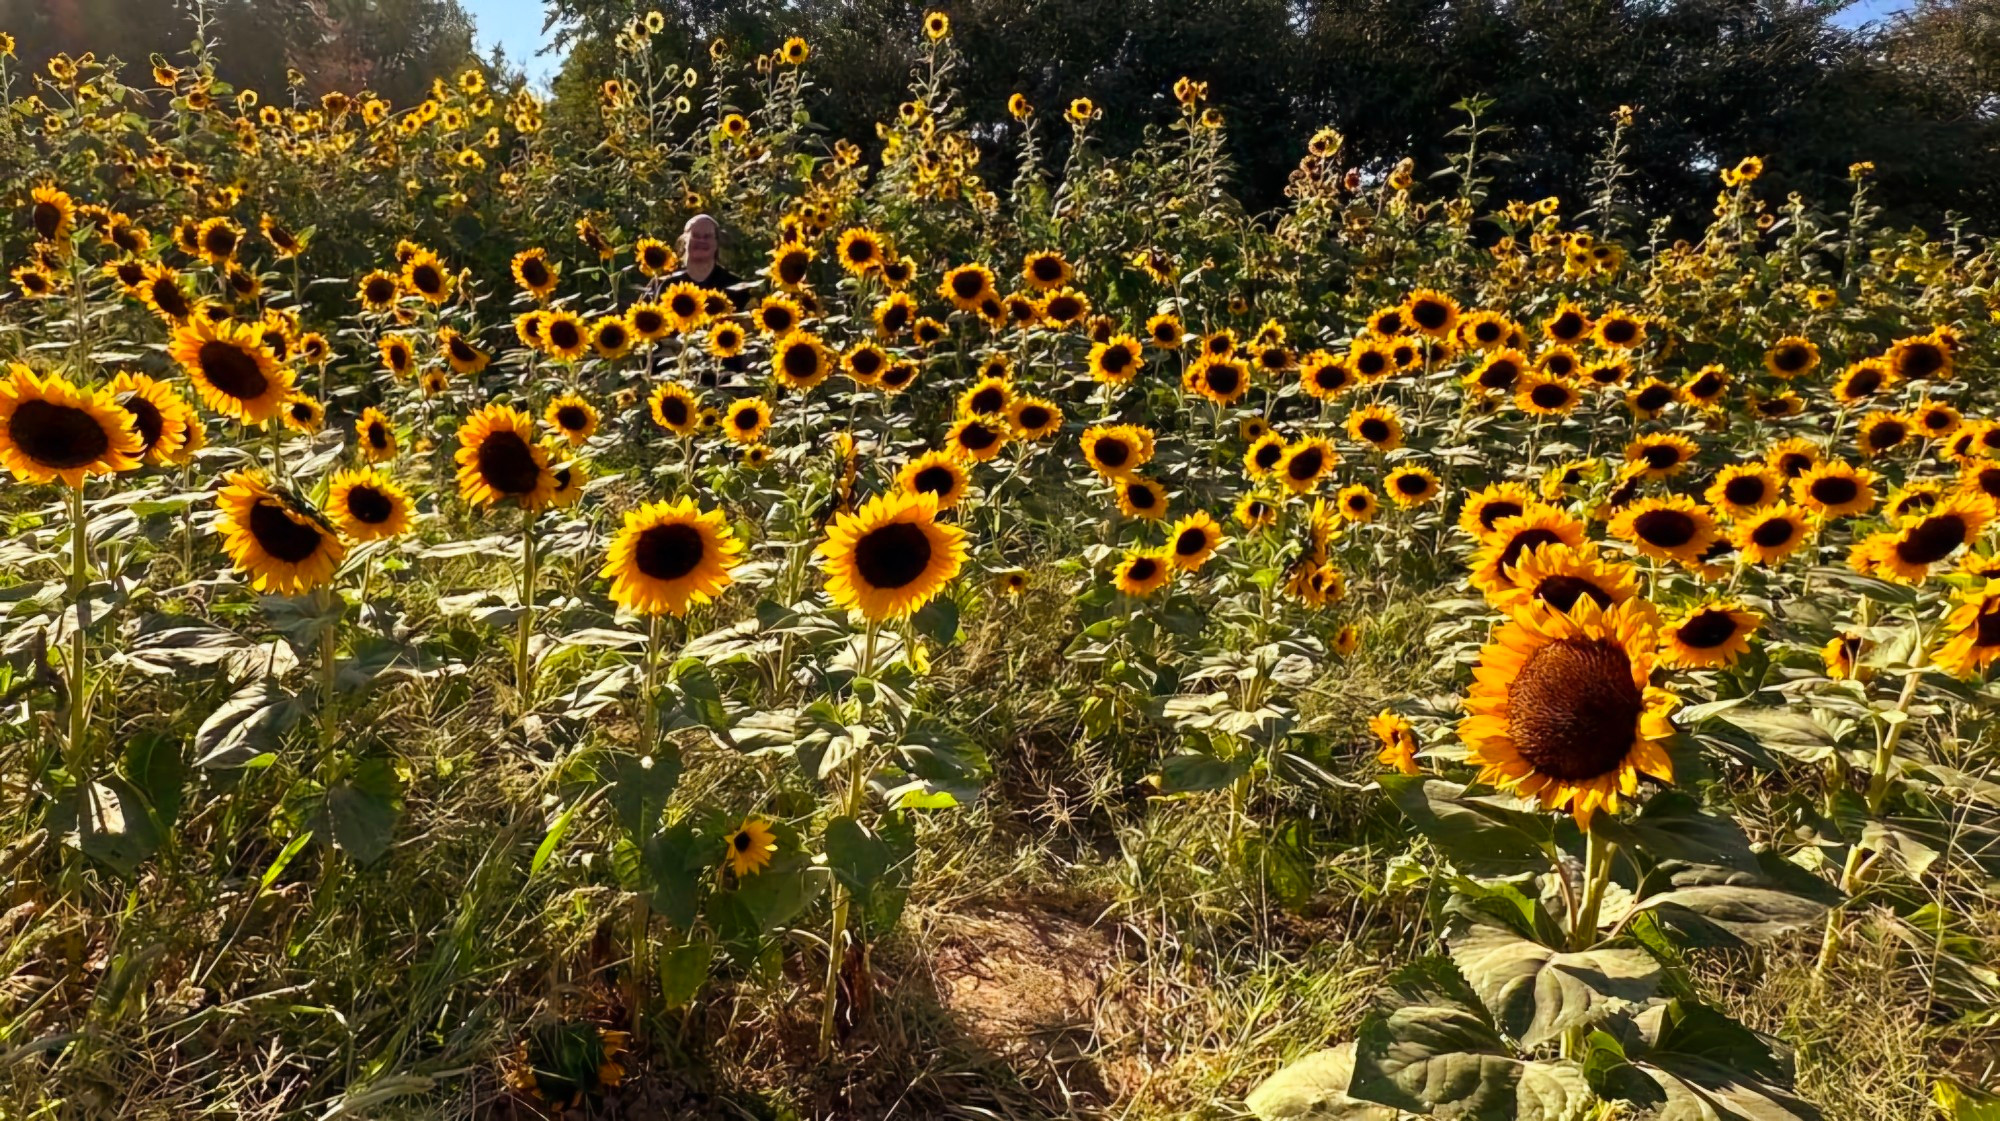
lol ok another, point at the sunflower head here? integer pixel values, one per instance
(499, 460)
(891, 556)
(232, 369)
(1708, 635)
(368, 505)
(52, 429)
(669, 556)
(1142, 573)
(274, 537)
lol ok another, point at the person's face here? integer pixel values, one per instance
(701, 244)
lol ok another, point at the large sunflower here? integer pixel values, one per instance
(159, 415)
(1560, 575)
(1046, 268)
(670, 555)
(232, 369)
(1791, 357)
(52, 214)
(967, 286)
(51, 429)
(892, 556)
(498, 460)
(1498, 372)
(1673, 528)
(937, 473)
(989, 396)
(284, 546)
(799, 361)
(1431, 312)
(1560, 709)
(368, 505)
(1920, 356)
(1542, 396)
(1974, 626)
(564, 335)
(1931, 538)
(1222, 381)
(160, 290)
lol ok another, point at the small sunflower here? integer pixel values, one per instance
(159, 415)
(1264, 455)
(1974, 627)
(232, 369)
(368, 505)
(891, 556)
(611, 337)
(1708, 635)
(1254, 512)
(799, 361)
(1398, 740)
(1706, 386)
(460, 353)
(1792, 458)
(1143, 573)
(669, 556)
(398, 356)
(1741, 489)
(303, 414)
(377, 435)
(654, 257)
(1193, 539)
(989, 396)
(1936, 419)
(1561, 710)
(1141, 498)
(51, 429)
(1835, 489)
(1222, 381)
(1863, 381)
(1116, 361)
(860, 251)
(749, 848)
(573, 417)
(284, 546)
(979, 438)
(499, 461)
(1164, 330)
(533, 272)
(52, 213)
(1791, 357)
(1768, 535)
(686, 305)
(1651, 398)
(1357, 503)
(1325, 376)
(1498, 372)
(746, 419)
(1537, 395)
(1673, 528)
(1501, 550)
(940, 474)
(790, 266)
(1569, 325)
(967, 286)
(895, 314)
(1377, 426)
(1305, 463)
(675, 409)
(1560, 575)
(1410, 487)
(425, 275)
(1431, 312)
(1618, 330)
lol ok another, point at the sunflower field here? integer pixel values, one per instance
(1033, 640)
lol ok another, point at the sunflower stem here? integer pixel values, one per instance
(836, 945)
(1879, 786)
(331, 608)
(79, 679)
(1598, 855)
(524, 682)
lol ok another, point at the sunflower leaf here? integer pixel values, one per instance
(1314, 1088)
(1536, 993)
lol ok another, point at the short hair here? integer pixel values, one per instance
(687, 227)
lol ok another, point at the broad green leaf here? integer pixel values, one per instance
(1672, 826)
(1535, 993)
(1474, 841)
(640, 787)
(114, 825)
(682, 970)
(248, 723)
(1315, 1089)
(677, 866)
(1186, 771)
(360, 821)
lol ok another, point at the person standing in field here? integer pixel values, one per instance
(701, 265)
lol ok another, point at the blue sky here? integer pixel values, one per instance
(516, 25)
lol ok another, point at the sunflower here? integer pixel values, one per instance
(1568, 326)
(1116, 361)
(1264, 455)
(531, 327)
(397, 355)
(1792, 458)
(654, 257)
(1791, 357)
(232, 369)
(1768, 535)
(1980, 477)
(1709, 635)
(1660, 455)
(1501, 550)
(1562, 575)
(1936, 419)
(898, 377)
(1377, 426)
(937, 473)
(1193, 539)
(1834, 489)
(1674, 528)
(1931, 538)
(52, 429)
(1545, 396)
(564, 335)
(1065, 307)
(368, 505)
(669, 556)
(746, 419)
(459, 352)
(1115, 451)
(1498, 372)
(1559, 362)
(1652, 398)
(979, 438)
(1560, 709)
(1143, 573)
(1741, 489)
(377, 435)
(860, 251)
(895, 314)
(573, 417)
(967, 286)
(1911, 499)
(159, 415)
(1305, 463)
(1485, 330)
(1164, 330)
(1882, 432)
(303, 414)
(891, 557)
(674, 409)
(314, 348)
(218, 239)
(1357, 503)
(1863, 380)
(1222, 381)
(434, 382)
(1842, 656)
(36, 281)
(52, 214)
(790, 265)
(1974, 626)
(755, 456)
(498, 460)
(989, 396)
(284, 546)
(1431, 312)
(799, 361)
(611, 337)
(1706, 386)
(1034, 418)
(425, 275)
(1483, 509)
(1920, 356)
(1968, 441)
(1410, 487)
(1777, 406)
(1325, 376)
(1013, 582)
(1398, 740)
(533, 272)
(1618, 330)
(1254, 512)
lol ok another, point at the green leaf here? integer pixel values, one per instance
(1672, 826)
(1186, 771)
(857, 857)
(1536, 993)
(114, 825)
(283, 860)
(153, 762)
(1315, 1089)
(701, 697)
(677, 866)
(1490, 902)
(775, 896)
(640, 787)
(360, 821)
(1474, 840)
(547, 848)
(682, 970)
(937, 620)
(248, 723)
(1699, 1090)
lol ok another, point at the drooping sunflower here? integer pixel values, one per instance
(52, 213)
(1974, 627)
(1842, 656)
(1115, 451)
(1305, 463)
(1378, 426)
(750, 847)
(1708, 635)
(1034, 418)
(160, 290)
(1675, 528)
(1560, 709)
(1538, 395)
(940, 474)
(1766, 536)
(1193, 539)
(52, 429)
(1932, 537)
(159, 415)
(377, 435)
(669, 556)
(891, 556)
(1431, 312)
(533, 272)
(979, 438)
(1835, 490)
(232, 370)
(573, 417)
(967, 286)
(1140, 497)
(799, 361)
(1651, 398)
(1560, 575)
(1142, 573)
(746, 419)
(1411, 486)
(368, 505)
(1741, 489)
(499, 461)
(1501, 550)
(1483, 509)
(1706, 386)
(1498, 372)
(284, 545)
(1116, 361)
(1398, 742)
(1660, 455)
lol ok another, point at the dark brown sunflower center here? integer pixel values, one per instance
(564, 335)
(378, 435)
(1864, 382)
(146, 417)
(1559, 365)
(1774, 532)
(1791, 359)
(1491, 513)
(1034, 417)
(48, 220)
(57, 436)
(1618, 332)
(1707, 629)
(1142, 570)
(1224, 380)
(978, 437)
(656, 257)
(1834, 490)
(1190, 543)
(1667, 529)
(1429, 314)
(1705, 386)
(219, 241)
(801, 361)
(278, 534)
(1358, 502)
(462, 350)
(1567, 326)
(674, 410)
(572, 418)
(369, 506)
(1389, 323)
(1048, 270)
(1142, 496)
(1922, 359)
(988, 399)
(232, 370)
(1373, 362)
(1330, 378)
(1744, 490)
(648, 321)
(668, 552)
(1487, 332)
(1659, 457)
(1793, 464)
(745, 419)
(507, 464)
(1937, 420)
(1374, 430)
(1655, 397)
(1115, 359)
(1562, 592)
(893, 556)
(742, 841)
(1113, 452)
(1549, 395)
(860, 251)
(936, 480)
(967, 284)
(169, 298)
(1932, 539)
(1306, 464)
(1268, 455)
(684, 305)
(1064, 308)
(778, 320)
(1573, 710)
(1887, 434)
(1499, 375)
(1412, 484)
(611, 336)
(1525, 540)
(895, 317)
(1986, 628)
(534, 272)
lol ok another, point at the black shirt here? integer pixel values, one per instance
(720, 280)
